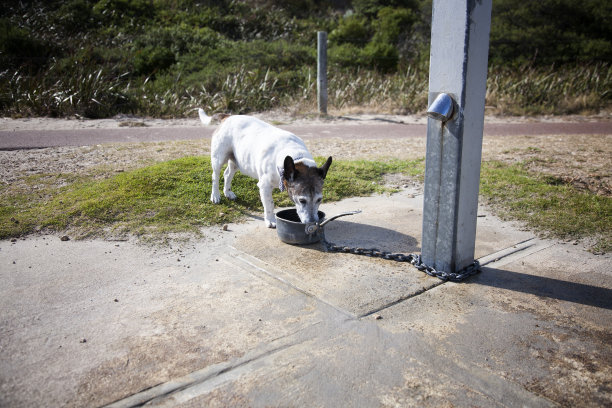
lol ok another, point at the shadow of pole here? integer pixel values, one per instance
(371, 236)
(350, 233)
(545, 287)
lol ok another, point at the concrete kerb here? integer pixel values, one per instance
(241, 319)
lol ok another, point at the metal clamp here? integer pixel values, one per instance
(313, 227)
(442, 108)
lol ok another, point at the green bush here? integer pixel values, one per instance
(150, 60)
(345, 55)
(351, 30)
(392, 23)
(371, 8)
(180, 39)
(120, 11)
(382, 56)
(165, 57)
(19, 48)
(76, 16)
(550, 32)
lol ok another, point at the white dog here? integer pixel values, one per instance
(273, 156)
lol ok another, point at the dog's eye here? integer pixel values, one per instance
(302, 201)
(318, 200)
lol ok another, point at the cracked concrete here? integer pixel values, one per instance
(240, 319)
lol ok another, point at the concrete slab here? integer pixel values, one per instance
(86, 323)
(239, 319)
(541, 321)
(360, 285)
(356, 364)
(357, 285)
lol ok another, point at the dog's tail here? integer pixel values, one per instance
(204, 117)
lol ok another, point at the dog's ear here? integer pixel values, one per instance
(323, 169)
(289, 172)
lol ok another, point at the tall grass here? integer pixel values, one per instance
(551, 90)
(82, 91)
(94, 92)
(404, 92)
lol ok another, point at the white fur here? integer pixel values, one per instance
(204, 117)
(258, 150)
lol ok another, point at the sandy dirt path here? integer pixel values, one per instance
(45, 132)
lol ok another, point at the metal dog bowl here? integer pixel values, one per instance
(293, 231)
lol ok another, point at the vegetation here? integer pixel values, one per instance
(548, 204)
(164, 58)
(166, 197)
(172, 197)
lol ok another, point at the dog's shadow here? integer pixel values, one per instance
(353, 234)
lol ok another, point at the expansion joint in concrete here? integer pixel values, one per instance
(200, 382)
(252, 266)
(515, 252)
(402, 299)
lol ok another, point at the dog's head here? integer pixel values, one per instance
(305, 187)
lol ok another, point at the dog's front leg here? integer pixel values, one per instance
(228, 175)
(265, 193)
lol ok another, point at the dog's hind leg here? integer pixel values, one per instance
(220, 152)
(265, 193)
(228, 176)
(216, 164)
(217, 159)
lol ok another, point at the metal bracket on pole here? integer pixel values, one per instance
(457, 85)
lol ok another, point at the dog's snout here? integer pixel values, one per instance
(307, 216)
(312, 218)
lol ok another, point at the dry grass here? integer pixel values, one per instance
(526, 91)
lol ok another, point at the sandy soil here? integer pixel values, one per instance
(582, 160)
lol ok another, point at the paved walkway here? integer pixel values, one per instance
(240, 319)
(30, 139)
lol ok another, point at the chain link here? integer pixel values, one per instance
(414, 259)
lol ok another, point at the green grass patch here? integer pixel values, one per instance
(168, 197)
(362, 178)
(173, 197)
(547, 204)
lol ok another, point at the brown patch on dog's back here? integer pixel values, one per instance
(219, 117)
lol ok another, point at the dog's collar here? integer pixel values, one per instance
(281, 173)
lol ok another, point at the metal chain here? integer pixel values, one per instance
(414, 259)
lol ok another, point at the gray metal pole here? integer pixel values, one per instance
(458, 67)
(322, 72)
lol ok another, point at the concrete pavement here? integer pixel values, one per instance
(239, 319)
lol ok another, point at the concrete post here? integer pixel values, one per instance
(322, 72)
(458, 67)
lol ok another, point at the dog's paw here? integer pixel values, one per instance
(270, 224)
(215, 198)
(230, 195)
